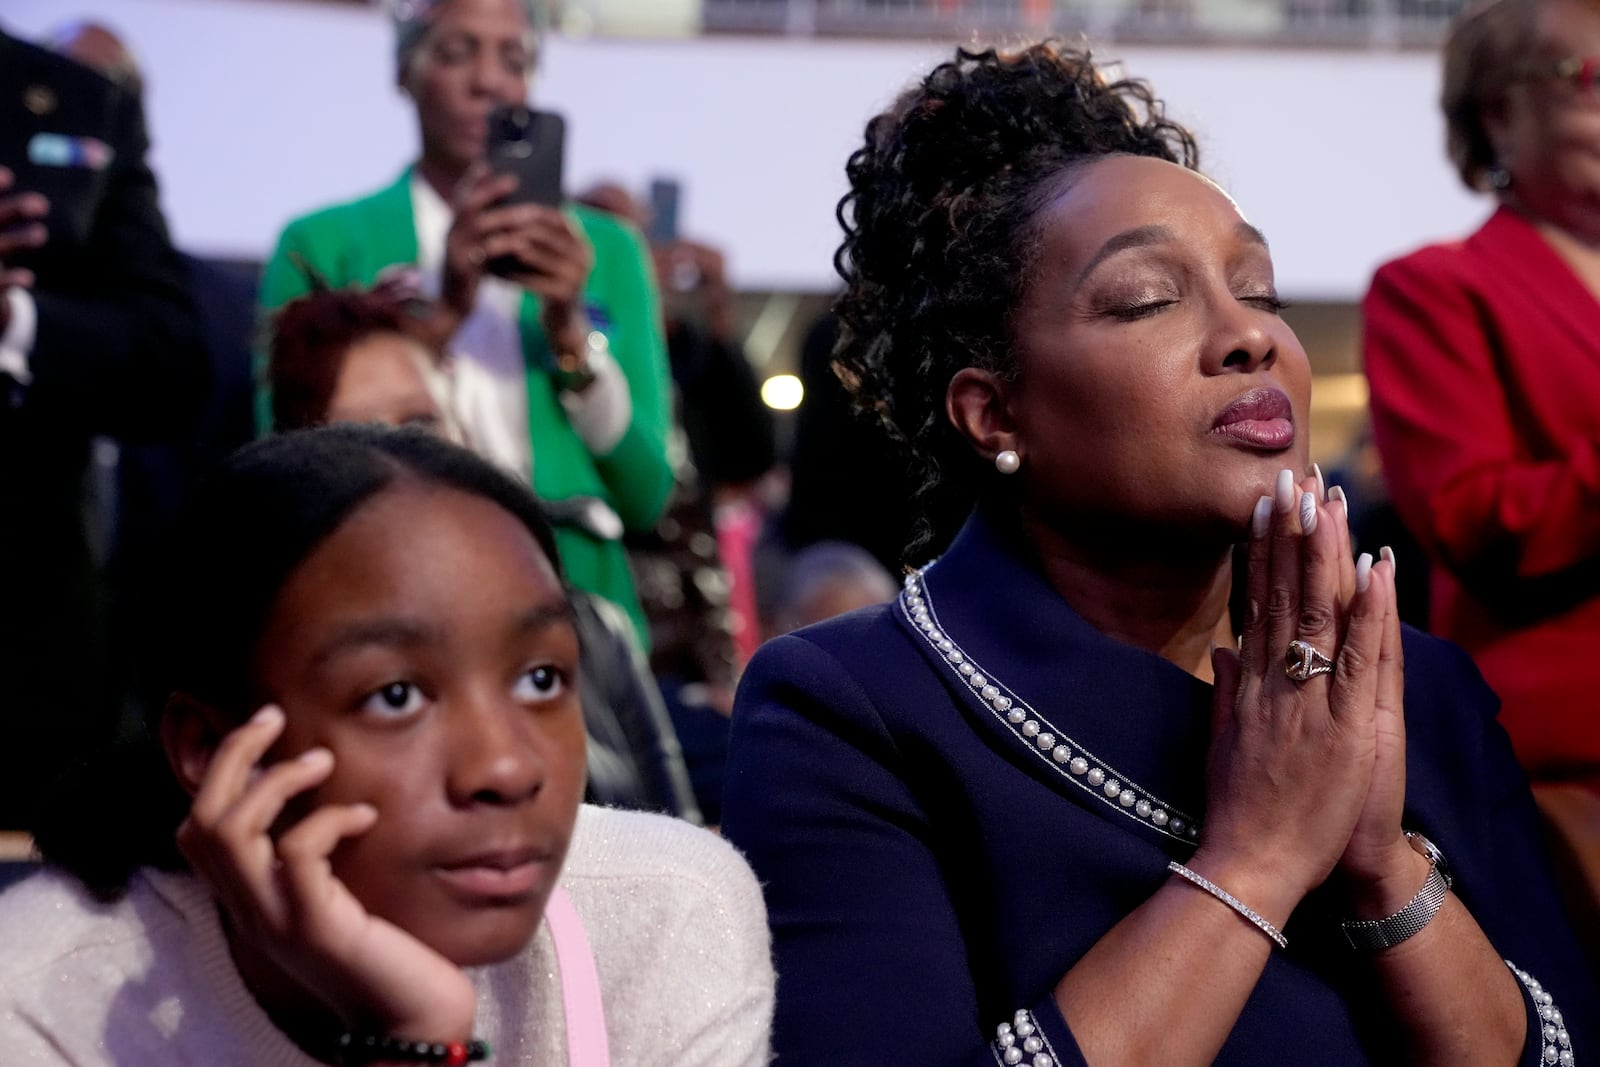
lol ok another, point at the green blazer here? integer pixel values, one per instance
(350, 243)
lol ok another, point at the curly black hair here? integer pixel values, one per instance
(940, 235)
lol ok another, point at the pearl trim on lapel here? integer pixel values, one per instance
(1037, 734)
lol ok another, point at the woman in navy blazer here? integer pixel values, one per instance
(1045, 807)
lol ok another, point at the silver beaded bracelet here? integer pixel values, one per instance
(1231, 901)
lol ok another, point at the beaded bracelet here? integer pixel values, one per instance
(377, 1048)
(1231, 901)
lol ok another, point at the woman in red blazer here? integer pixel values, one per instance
(1484, 361)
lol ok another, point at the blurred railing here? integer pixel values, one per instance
(1337, 23)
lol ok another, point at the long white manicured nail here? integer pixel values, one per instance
(1363, 572)
(1308, 512)
(1336, 496)
(1322, 485)
(1261, 518)
(1388, 553)
(1284, 490)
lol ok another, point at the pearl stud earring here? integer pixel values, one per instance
(1007, 462)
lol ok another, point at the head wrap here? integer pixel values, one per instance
(412, 18)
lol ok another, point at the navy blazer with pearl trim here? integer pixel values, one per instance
(930, 867)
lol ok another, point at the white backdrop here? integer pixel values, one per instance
(262, 110)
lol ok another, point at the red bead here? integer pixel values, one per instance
(455, 1054)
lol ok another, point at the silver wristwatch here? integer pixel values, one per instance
(1373, 935)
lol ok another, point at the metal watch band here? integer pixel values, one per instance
(1374, 935)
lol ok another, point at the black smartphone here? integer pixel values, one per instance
(529, 144)
(665, 194)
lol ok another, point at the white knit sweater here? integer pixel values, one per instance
(672, 912)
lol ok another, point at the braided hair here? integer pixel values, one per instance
(940, 231)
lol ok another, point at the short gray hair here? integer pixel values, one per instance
(412, 18)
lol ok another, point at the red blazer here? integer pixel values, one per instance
(1484, 360)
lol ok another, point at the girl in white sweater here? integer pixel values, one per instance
(371, 766)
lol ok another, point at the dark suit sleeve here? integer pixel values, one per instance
(118, 348)
(1456, 471)
(872, 964)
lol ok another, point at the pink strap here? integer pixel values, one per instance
(580, 984)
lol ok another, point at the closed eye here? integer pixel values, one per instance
(393, 700)
(1135, 311)
(516, 61)
(1266, 302)
(453, 51)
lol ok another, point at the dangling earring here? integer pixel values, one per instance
(1499, 178)
(1007, 462)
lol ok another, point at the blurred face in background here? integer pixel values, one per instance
(388, 378)
(1546, 132)
(97, 48)
(475, 55)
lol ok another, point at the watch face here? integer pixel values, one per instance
(1431, 852)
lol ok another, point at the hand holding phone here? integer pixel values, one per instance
(508, 222)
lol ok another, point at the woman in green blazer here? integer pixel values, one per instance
(560, 366)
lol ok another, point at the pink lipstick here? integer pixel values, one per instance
(1260, 418)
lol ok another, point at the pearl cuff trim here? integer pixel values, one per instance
(1020, 1041)
(1557, 1042)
